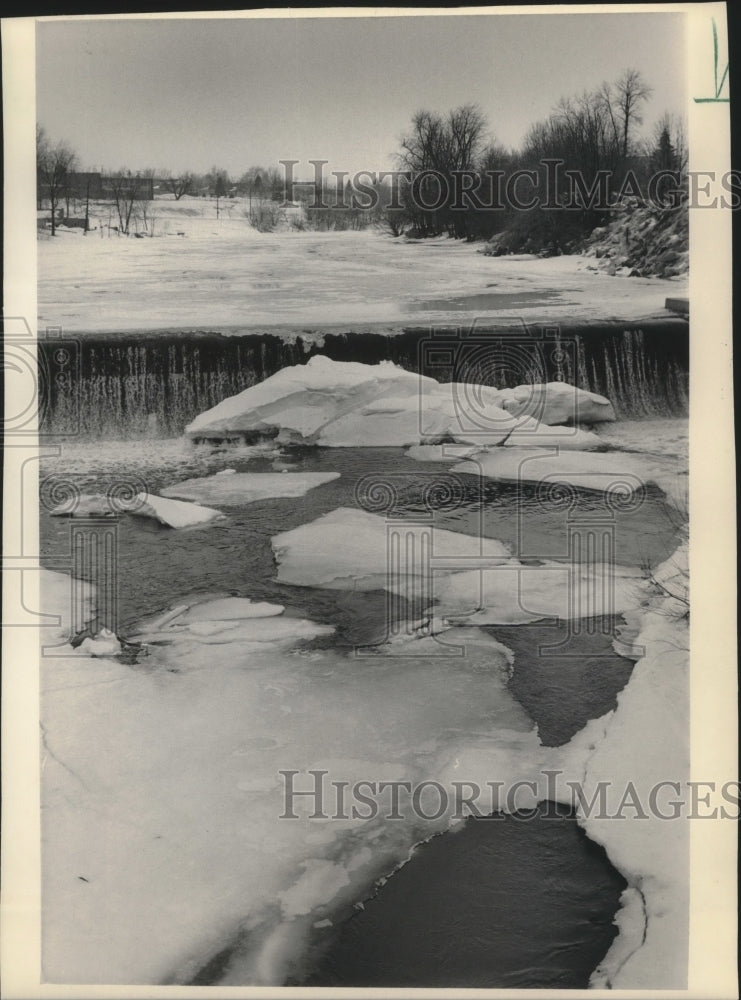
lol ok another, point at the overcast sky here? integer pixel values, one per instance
(191, 94)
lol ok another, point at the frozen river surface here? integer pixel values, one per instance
(223, 276)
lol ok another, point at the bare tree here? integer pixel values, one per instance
(146, 207)
(441, 145)
(466, 127)
(180, 185)
(54, 164)
(631, 92)
(127, 191)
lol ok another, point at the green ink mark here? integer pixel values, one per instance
(717, 99)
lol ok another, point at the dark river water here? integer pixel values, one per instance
(500, 902)
(508, 901)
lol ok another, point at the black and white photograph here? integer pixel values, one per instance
(353, 365)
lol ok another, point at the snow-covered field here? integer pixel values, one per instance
(221, 274)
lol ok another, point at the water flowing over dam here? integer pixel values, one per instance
(111, 386)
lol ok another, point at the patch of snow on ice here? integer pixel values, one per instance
(247, 487)
(85, 505)
(231, 609)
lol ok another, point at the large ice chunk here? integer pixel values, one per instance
(302, 398)
(346, 404)
(247, 487)
(557, 403)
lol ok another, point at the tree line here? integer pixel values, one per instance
(582, 157)
(451, 176)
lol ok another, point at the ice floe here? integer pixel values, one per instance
(230, 609)
(348, 404)
(432, 565)
(247, 487)
(620, 475)
(230, 620)
(531, 433)
(309, 555)
(515, 594)
(441, 452)
(173, 513)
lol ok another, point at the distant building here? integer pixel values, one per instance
(142, 186)
(82, 185)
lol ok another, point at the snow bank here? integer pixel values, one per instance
(172, 513)
(646, 742)
(62, 598)
(247, 487)
(672, 576)
(347, 404)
